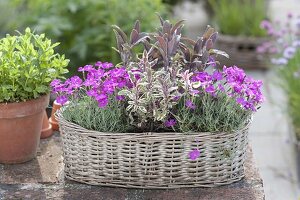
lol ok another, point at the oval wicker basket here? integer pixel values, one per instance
(152, 160)
(242, 52)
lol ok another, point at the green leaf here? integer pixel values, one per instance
(143, 109)
(218, 52)
(47, 79)
(28, 89)
(41, 89)
(196, 84)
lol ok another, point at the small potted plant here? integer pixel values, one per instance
(28, 64)
(284, 48)
(238, 23)
(165, 117)
(52, 120)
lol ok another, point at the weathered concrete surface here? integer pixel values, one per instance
(42, 178)
(44, 169)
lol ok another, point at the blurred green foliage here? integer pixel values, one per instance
(239, 17)
(82, 26)
(291, 83)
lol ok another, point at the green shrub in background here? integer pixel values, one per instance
(291, 83)
(174, 2)
(83, 27)
(284, 48)
(239, 17)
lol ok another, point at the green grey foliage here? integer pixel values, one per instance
(290, 75)
(28, 64)
(152, 95)
(86, 113)
(221, 114)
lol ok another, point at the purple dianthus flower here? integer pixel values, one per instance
(75, 82)
(190, 104)
(55, 82)
(194, 154)
(62, 99)
(170, 122)
(107, 65)
(221, 87)
(120, 97)
(210, 89)
(217, 75)
(86, 68)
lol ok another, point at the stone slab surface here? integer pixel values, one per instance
(46, 168)
(273, 141)
(42, 178)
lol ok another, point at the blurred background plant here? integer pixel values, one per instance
(84, 27)
(239, 17)
(285, 48)
(291, 77)
(238, 23)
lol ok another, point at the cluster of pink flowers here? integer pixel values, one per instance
(234, 82)
(104, 80)
(100, 82)
(285, 39)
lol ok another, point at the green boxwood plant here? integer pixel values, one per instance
(28, 63)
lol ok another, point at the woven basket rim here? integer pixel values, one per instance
(59, 116)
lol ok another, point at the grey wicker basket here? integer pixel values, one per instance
(242, 52)
(152, 160)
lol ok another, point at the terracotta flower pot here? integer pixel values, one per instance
(56, 106)
(46, 128)
(20, 129)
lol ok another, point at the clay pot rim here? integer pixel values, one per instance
(22, 109)
(59, 104)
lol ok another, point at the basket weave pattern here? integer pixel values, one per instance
(152, 160)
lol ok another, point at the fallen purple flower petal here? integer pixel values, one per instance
(194, 154)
